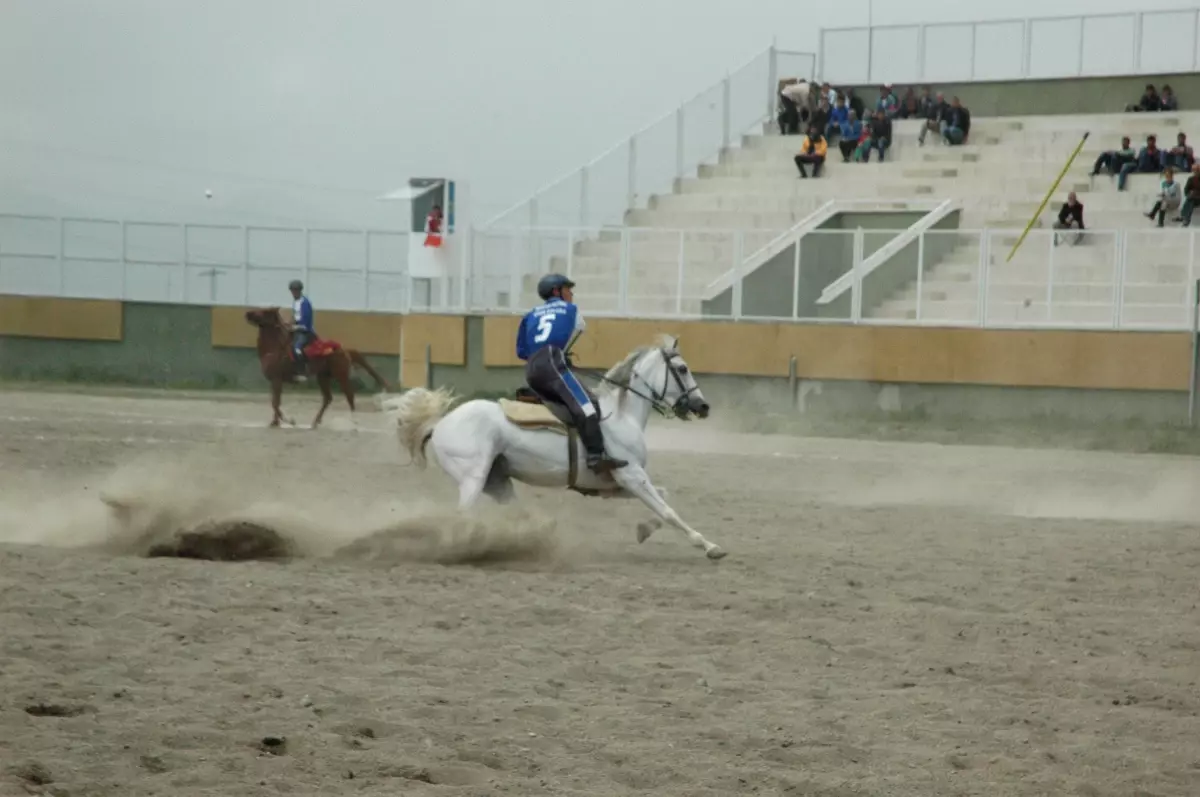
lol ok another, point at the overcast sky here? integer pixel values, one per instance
(301, 111)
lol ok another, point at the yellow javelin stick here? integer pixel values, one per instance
(1049, 194)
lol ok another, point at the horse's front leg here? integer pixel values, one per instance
(635, 479)
(276, 400)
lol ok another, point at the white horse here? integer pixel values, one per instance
(483, 445)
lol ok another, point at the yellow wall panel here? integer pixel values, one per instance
(370, 333)
(62, 319)
(898, 354)
(445, 334)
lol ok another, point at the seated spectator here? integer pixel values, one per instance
(879, 137)
(958, 124)
(1168, 100)
(849, 136)
(812, 151)
(1180, 156)
(1114, 159)
(887, 102)
(793, 98)
(1149, 102)
(937, 114)
(1169, 197)
(837, 118)
(1070, 216)
(1191, 197)
(1151, 160)
(910, 107)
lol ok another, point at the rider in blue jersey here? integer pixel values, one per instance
(542, 339)
(302, 321)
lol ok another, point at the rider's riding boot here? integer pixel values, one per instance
(593, 442)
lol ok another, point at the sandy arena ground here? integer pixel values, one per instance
(896, 619)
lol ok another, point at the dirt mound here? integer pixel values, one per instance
(231, 541)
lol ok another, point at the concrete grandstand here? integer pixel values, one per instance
(939, 222)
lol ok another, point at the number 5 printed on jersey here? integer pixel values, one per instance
(545, 327)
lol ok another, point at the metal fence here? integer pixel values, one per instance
(205, 263)
(624, 177)
(1113, 279)
(1091, 45)
(1108, 279)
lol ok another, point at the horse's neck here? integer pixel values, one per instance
(270, 340)
(636, 405)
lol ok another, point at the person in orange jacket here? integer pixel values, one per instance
(812, 152)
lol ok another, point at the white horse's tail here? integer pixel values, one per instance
(416, 412)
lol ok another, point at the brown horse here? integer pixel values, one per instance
(326, 360)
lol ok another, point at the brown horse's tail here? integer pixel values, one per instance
(357, 359)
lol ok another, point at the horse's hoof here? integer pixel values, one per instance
(646, 528)
(715, 553)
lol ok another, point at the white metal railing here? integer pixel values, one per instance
(1112, 279)
(205, 263)
(887, 251)
(1090, 45)
(599, 193)
(810, 223)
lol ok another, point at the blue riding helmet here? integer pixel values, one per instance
(551, 282)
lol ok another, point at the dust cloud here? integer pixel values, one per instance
(152, 508)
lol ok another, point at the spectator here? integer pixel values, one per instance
(837, 118)
(958, 124)
(793, 96)
(887, 101)
(926, 101)
(829, 94)
(1151, 160)
(850, 136)
(910, 108)
(937, 113)
(812, 151)
(1191, 197)
(1181, 155)
(820, 117)
(1149, 102)
(879, 137)
(855, 103)
(1115, 159)
(1168, 100)
(1169, 196)
(1070, 216)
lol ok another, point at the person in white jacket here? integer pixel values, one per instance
(1170, 195)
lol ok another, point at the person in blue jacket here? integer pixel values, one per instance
(302, 322)
(542, 339)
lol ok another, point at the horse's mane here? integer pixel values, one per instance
(620, 375)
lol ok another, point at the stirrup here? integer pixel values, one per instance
(604, 463)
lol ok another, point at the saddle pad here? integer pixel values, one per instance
(531, 416)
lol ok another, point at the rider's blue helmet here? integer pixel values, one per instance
(552, 282)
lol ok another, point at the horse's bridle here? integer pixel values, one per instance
(657, 399)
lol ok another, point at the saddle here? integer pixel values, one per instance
(316, 348)
(527, 410)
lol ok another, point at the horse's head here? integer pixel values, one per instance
(660, 374)
(265, 318)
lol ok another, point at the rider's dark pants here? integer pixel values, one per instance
(548, 375)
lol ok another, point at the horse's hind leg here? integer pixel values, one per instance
(499, 484)
(343, 377)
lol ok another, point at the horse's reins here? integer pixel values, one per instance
(657, 400)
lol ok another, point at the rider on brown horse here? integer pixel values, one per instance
(302, 326)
